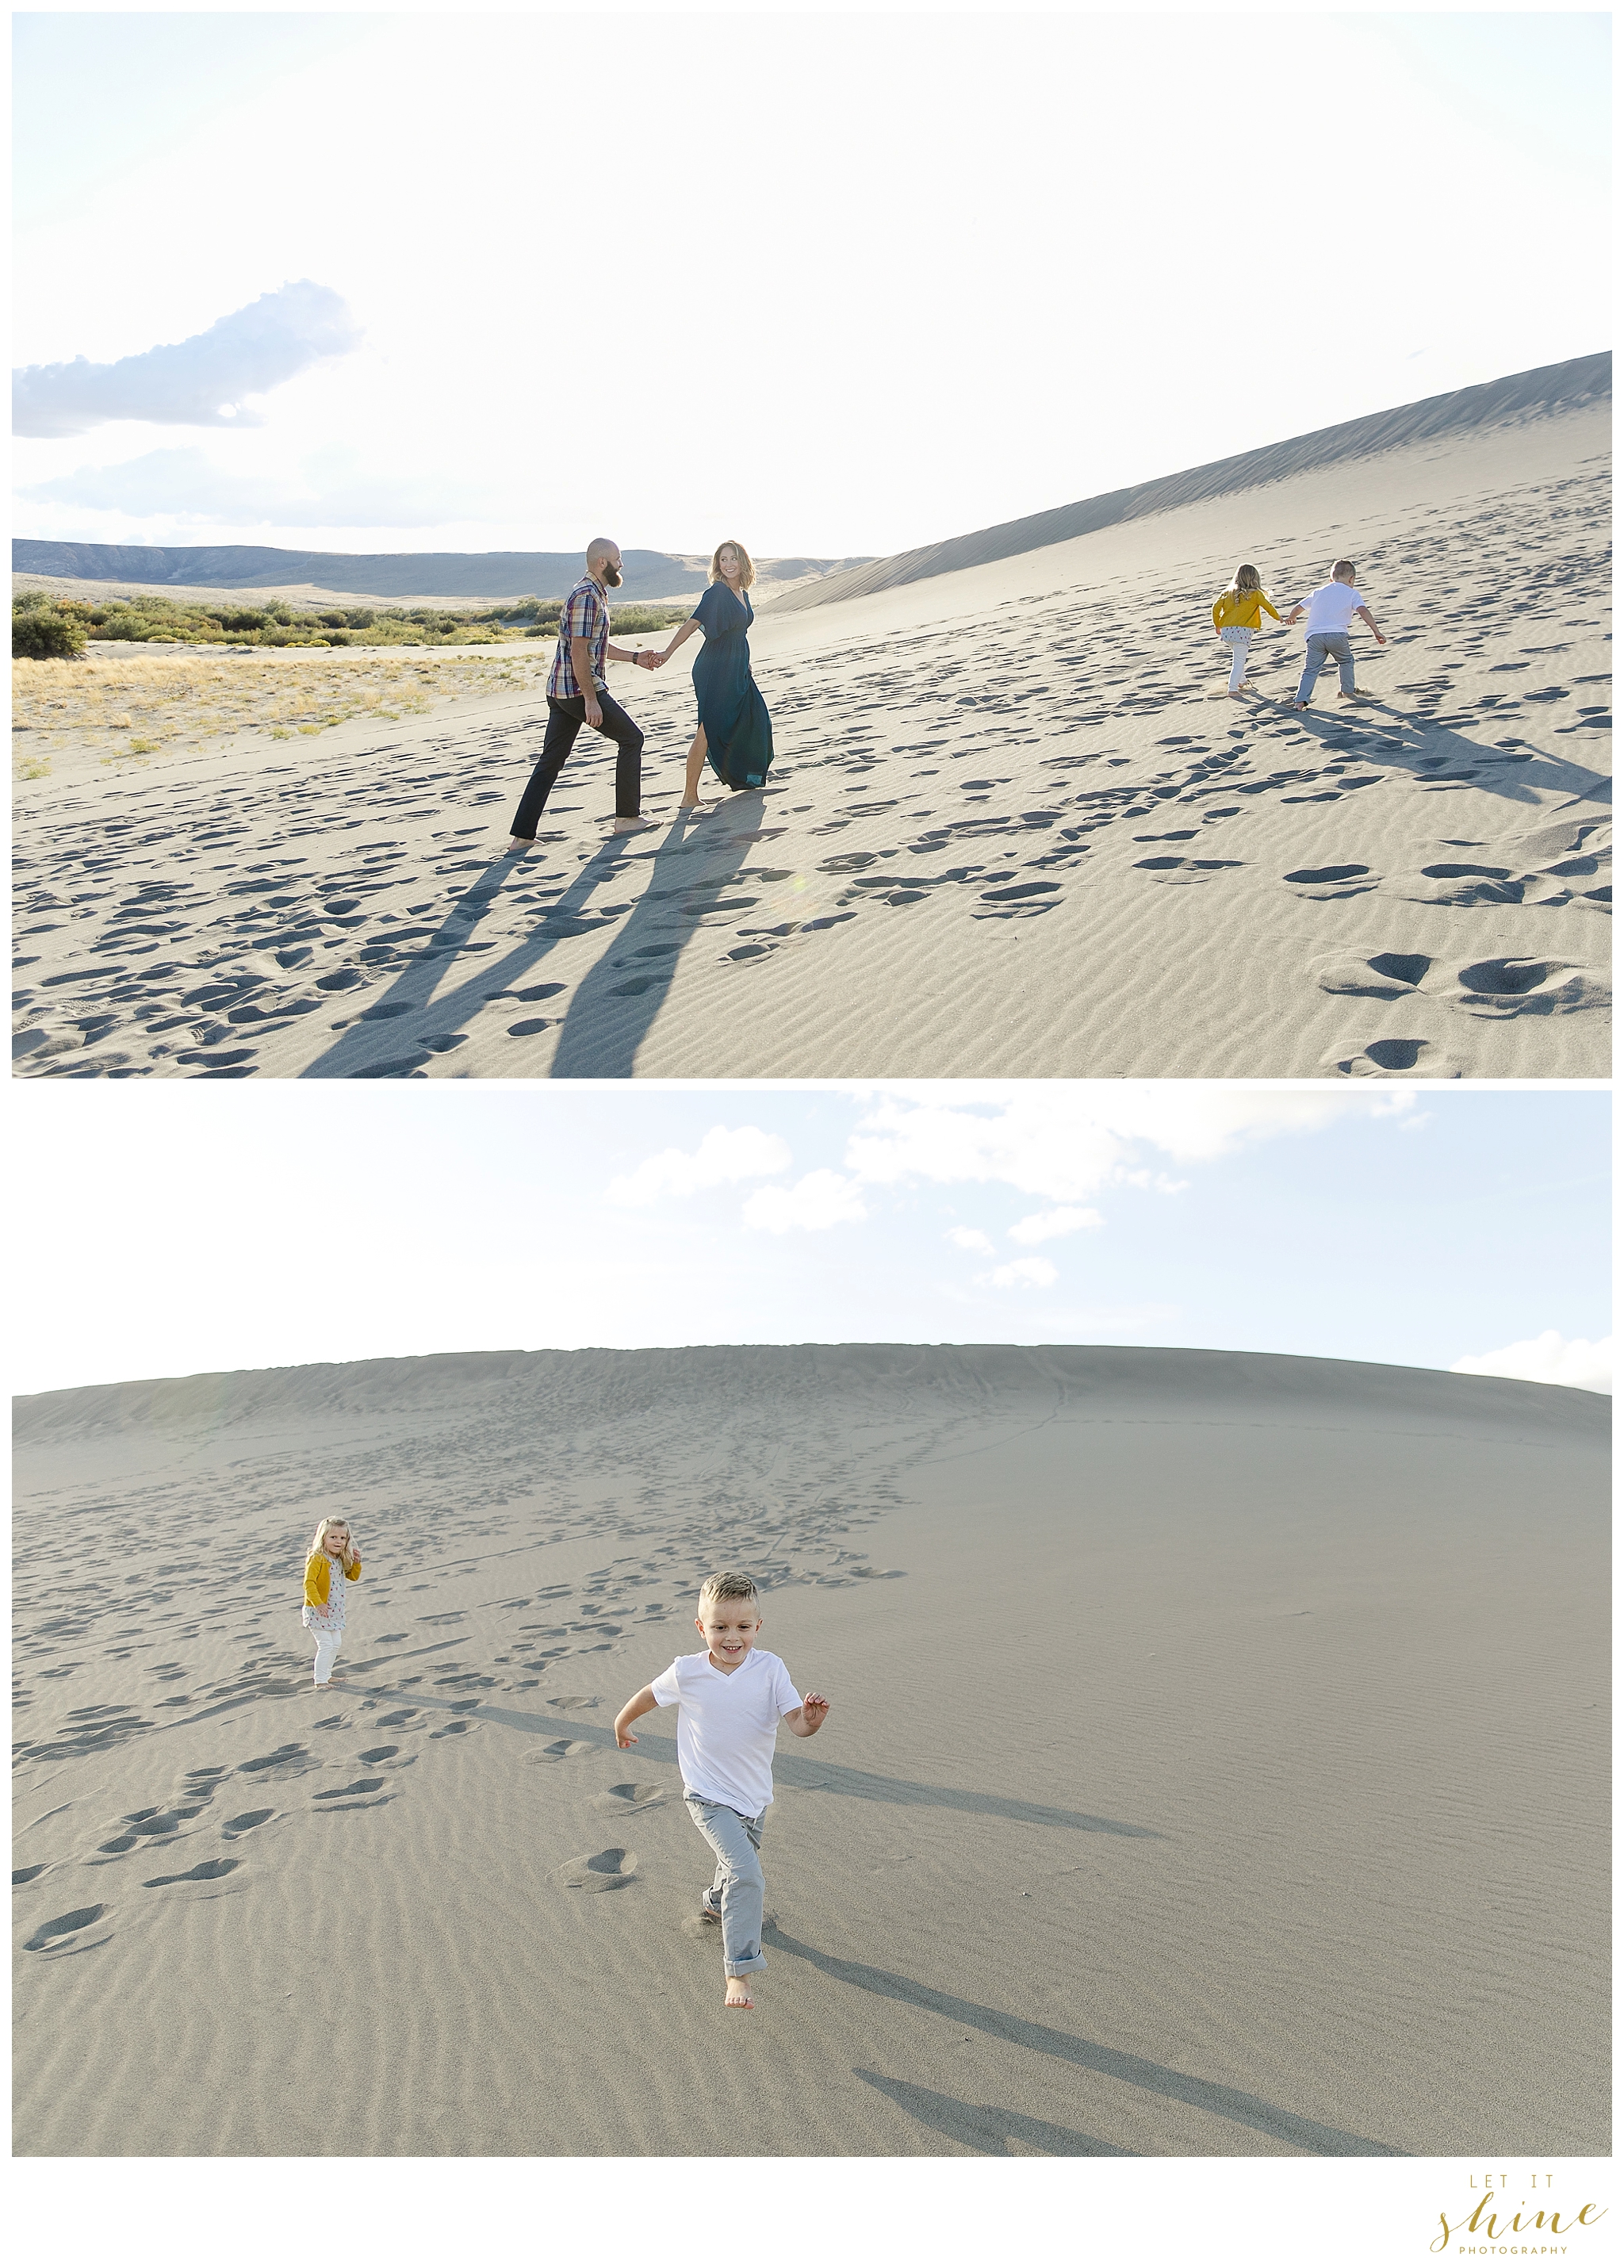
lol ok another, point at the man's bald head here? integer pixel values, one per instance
(601, 547)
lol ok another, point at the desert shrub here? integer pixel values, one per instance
(25, 601)
(241, 618)
(360, 618)
(635, 619)
(42, 634)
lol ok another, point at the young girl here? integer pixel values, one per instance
(1236, 614)
(332, 1554)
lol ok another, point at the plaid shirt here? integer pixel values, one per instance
(587, 615)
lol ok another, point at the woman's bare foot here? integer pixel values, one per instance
(737, 1993)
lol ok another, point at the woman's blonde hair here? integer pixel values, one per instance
(1247, 578)
(746, 572)
(319, 1541)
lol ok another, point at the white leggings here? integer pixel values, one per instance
(1240, 644)
(327, 1643)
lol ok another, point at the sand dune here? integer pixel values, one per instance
(1010, 832)
(1217, 1766)
(1554, 390)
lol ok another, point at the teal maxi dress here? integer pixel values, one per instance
(739, 732)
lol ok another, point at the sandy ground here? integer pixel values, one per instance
(1014, 829)
(1216, 1765)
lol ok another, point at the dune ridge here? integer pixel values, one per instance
(1531, 394)
(1171, 1802)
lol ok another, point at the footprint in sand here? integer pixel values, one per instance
(1375, 977)
(458, 1724)
(1322, 882)
(631, 1795)
(555, 1749)
(600, 1870)
(1394, 1059)
(244, 1823)
(570, 1700)
(1458, 882)
(21, 1874)
(210, 1871)
(1514, 987)
(1169, 869)
(47, 1937)
(289, 1762)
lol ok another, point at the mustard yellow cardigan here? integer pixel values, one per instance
(1240, 610)
(318, 1578)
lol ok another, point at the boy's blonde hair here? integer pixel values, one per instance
(747, 564)
(319, 1541)
(725, 1585)
(1246, 579)
(1343, 572)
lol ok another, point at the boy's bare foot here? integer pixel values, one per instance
(1352, 696)
(737, 1994)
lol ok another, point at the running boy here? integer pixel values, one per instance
(1330, 610)
(730, 1702)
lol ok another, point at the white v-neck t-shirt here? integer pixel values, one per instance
(727, 1721)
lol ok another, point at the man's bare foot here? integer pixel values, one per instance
(516, 849)
(1352, 696)
(634, 825)
(737, 1994)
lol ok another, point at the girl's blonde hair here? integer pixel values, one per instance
(319, 1541)
(1247, 578)
(746, 566)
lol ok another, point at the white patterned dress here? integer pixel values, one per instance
(330, 1618)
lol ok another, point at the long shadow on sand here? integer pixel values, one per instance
(616, 1002)
(984, 2128)
(793, 1771)
(1382, 735)
(411, 1013)
(1157, 2079)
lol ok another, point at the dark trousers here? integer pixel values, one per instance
(564, 720)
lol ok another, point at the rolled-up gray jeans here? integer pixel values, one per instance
(739, 1885)
(1323, 647)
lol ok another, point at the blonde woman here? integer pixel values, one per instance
(735, 732)
(1236, 613)
(333, 1561)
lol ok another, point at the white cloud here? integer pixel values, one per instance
(1055, 1142)
(204, 381)
(818, 1200)
(1016, 1273)
(1039, 1227)
(739, 1154)
(1548, 1360)
(971, 1240)
(332, 487)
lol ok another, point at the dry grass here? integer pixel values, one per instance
(173, 702)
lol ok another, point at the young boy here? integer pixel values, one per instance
(730, 1702)
(1330, 610)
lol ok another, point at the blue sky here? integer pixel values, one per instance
(229, 1230)
(787, 277)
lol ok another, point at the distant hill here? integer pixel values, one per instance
(1532, 393)
(648, 575)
